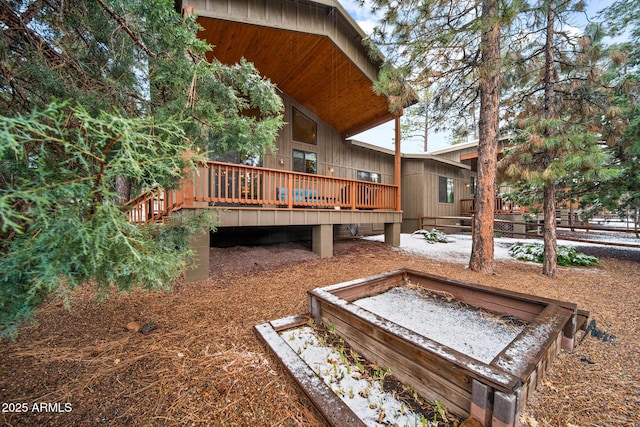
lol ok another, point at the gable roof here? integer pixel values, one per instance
(312, 50)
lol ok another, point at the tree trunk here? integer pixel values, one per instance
(123, 188)
(550, 259)
(482, 255)
(426, 127)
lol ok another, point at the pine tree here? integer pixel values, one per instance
(98, 96)
(622, 133)
(452, 48)
(557, 100)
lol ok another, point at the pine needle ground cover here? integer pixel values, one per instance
(204, 365)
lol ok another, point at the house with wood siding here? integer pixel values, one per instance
(442, 183)
(319, 183)
(436, 183)
(452, 185)
(316, 183)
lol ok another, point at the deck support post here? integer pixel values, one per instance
(397, 164)
(200, 269)
(392, 234)
(322, 240)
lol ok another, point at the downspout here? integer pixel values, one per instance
(397, 176)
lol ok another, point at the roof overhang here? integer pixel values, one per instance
(372, 147)
(312, 51)
(416, 156)
(435, 158)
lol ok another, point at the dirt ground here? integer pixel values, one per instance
(201, 363)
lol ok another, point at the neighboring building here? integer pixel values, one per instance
(433, 184)
(509, 211)
(442, 183)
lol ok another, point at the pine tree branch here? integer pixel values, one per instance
(21, 41)
(125, 27)
(16, 27)
(32, 10)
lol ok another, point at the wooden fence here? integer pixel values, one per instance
(522, 229)
(467, 206)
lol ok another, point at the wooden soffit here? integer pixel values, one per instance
(308, 67)
(472, 158)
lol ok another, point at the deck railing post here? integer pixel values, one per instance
(353, 194)
(290, 191)
(187, 183)
(187, 190)
(223, 183)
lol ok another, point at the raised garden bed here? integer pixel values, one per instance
(489, 386)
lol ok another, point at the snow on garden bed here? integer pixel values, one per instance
(470, 332)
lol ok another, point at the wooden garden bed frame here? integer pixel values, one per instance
(493, 393)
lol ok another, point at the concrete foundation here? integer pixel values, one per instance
(322, 240)
(392, 233)
(199, 270)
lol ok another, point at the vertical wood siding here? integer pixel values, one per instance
(331, 149)
(420, 190)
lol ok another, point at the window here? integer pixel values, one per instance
(474, 184)
(304, 161)
(304, 129)
(445, 189)
(221, 153)
(368, 176)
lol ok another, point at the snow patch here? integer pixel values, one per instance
(457, 327)
(365, 396)
(458, 249)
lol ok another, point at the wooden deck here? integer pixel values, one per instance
(247, 196)
(232, 186)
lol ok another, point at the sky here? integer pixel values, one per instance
(383, 135)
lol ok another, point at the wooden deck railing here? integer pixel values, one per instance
(231, 185)
(467, 206)
(153, 205)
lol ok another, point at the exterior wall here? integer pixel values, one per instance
(414, 195)
(332, 151)
(420, 190)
